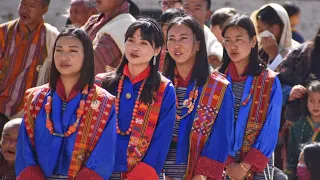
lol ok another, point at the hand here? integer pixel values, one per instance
(214, 61)
(270, 46)
(297, 92)
(236, 171)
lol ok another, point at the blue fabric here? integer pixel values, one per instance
(297, 37)
(217, 145)
(52, 153)
(159, 146)
(268, 136)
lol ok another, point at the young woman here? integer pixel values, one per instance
(257, 106)
(55, 141)
(204, 119)
(145, 104)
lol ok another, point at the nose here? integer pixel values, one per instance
(135, 47)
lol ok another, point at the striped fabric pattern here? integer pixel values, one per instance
(180, 92)
(176, 171)
(237, 89)
(21, 52)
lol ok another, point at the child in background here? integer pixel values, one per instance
(305, 130)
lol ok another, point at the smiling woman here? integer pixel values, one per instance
(54, 141)
(145, 104)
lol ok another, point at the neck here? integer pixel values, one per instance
(106, 12)
(31, 27)
(68, 83)
(10, 164)
(315, 119)
(135, 70)
(184, 69)
(241, 65)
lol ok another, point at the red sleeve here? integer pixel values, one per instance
(31, 173)
(143, 172)
(210, 168)
(106, 53)
(256, 159)
(88, 174)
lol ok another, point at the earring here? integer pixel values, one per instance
(154, 60)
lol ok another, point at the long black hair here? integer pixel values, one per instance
(255, 65)
(201, 69)
(312, 159)
(315, 56)
(151, 32)
(87, 70)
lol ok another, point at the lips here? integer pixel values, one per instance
(64, 65)
(178, 53)
(24, 16)
(133, 56)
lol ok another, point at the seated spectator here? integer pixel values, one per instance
(8, 149)
(309, 162)
(274, 34)
(218, 18)
(294, 15)
(306, 130)
(81, 11)
(3, 120)
(167, 4)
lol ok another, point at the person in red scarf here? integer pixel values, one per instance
(257, 106)
(200, 140)
(69, 125)
(145, 104)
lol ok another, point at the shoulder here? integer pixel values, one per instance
(221, 78)
(103, 93)
(51, 29)
(8, 24)
(38, 89)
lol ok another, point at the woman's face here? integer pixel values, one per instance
(69, 56)
(238, 43)
(181, 44)
(139, 51)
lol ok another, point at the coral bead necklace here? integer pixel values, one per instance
(80, 111)
(135, 110)
(187, 103)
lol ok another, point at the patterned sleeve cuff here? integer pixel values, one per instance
(31, 173)
(88, 174)
(143, 172)
(210, 168)
(256, 159)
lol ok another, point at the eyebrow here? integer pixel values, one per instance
(72, 46)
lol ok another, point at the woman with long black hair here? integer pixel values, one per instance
(145, 104)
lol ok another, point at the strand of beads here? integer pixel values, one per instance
(245, 102)
(80, 111)
(135, 110)
(188, 103)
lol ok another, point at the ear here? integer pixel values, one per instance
(45, 10)
(197, 46)
(208, 14)
(157, 51)
(254, 41)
